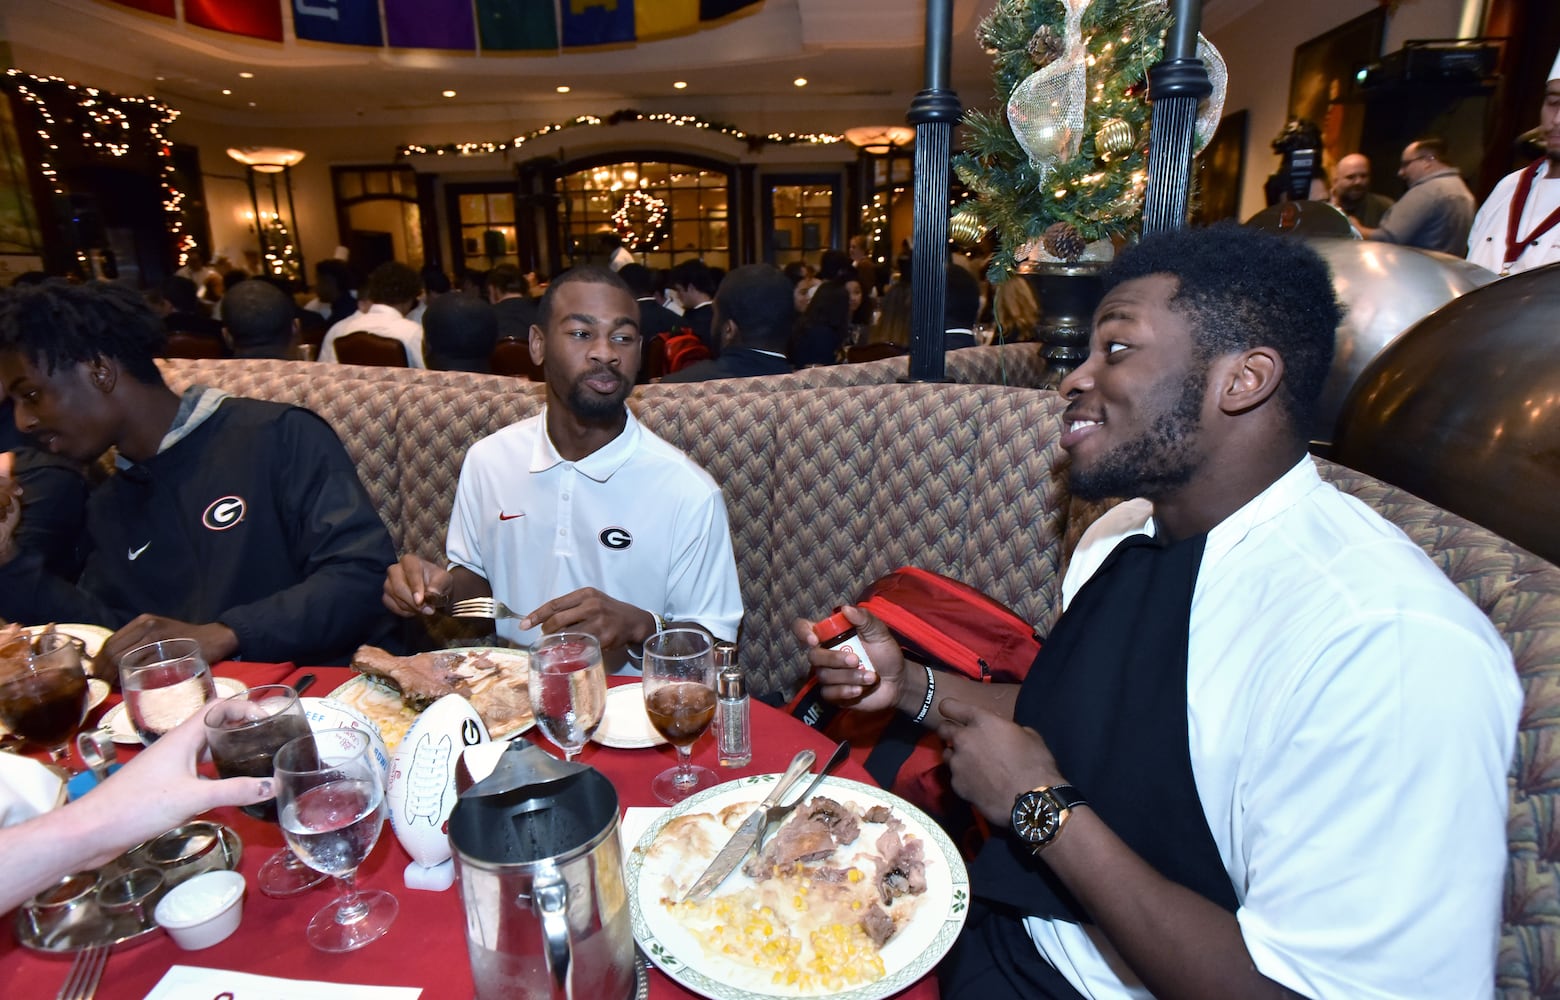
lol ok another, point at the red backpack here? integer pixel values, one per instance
(683, 348)
(948, 625)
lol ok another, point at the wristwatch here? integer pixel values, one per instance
(1038, 815)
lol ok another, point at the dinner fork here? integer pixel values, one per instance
(483, 607)
(85, 972)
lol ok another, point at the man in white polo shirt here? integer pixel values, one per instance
(579, 517)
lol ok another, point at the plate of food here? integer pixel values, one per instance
(857, 894)
(394, 690)
(92, 636)
(625, 724)
(117, 719)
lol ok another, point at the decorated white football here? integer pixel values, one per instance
(327, 713)
(421, 787)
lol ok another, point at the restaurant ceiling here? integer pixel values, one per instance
(862, 60)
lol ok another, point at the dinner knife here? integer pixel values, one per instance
(730, 856)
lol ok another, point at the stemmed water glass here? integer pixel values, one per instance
(244, 732)
(331, 799)
(45, 698)
(679, 686)
(568, 688)
(164, 683)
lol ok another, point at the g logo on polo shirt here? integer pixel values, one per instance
(616, 538)
(223, 513)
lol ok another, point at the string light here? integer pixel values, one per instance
(619, 118)
(651, 211)
(102, 124)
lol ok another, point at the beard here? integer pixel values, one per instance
(1163, 458)
(590, 405)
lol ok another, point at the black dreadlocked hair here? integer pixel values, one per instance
(56, 325)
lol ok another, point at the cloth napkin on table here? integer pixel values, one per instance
(254, 674)
(28, 788)
(186, 982)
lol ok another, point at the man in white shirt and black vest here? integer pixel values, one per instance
(1229, 771)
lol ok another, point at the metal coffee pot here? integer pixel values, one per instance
(540, 869)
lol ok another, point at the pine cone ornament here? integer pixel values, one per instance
(1045, 46)
(1063, 241)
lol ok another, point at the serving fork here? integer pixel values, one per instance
(85, 972)
(483, 607)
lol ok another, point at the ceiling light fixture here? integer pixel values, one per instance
(246, 75)
(562, 88)
(680, 85)
(800, 81)
(267, 159)
(226, 92)
(879, 138)
(449, 93)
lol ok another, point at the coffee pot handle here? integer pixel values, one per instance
(550, 896)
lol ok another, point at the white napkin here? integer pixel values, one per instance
(636, 820)
(28, 788)
(186, 982)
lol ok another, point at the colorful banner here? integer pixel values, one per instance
(254, 18)
(654, 18)
(160, 7)
(597, 22)
(430, 24)
(517, 25)
(344, 22)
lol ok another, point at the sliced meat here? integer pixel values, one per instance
(799, 840)
(902, 873)
(878, 814)
(840, 819)
(878, 924)
(423, 679)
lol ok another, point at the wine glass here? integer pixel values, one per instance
(568, 688)
(331, 799)
(45, 698)
(164, 683)
(679, 685)
(244, 732)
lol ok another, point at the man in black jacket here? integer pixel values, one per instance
(236, 522)
(752, 321)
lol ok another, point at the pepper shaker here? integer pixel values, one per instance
(732, 728)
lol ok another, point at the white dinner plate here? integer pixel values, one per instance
(625, 724)
(382, 704)
(117, 721)
(910, 954)
(92, 636)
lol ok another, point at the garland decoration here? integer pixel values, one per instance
(638, 220)
(754, 142)
(78, 124)
(1069, 140)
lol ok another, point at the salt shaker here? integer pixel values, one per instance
(732, 728)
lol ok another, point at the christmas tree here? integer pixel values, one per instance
(1062, 163)
(281, 256)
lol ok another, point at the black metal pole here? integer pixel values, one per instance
(292, 212)
(254, 201)
(1175, 84)
(934, 112)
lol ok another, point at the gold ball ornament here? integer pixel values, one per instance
(1114, 137)
(964, 226)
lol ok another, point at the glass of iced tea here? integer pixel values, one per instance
(245, 732)
(679, 685)
(44, 699)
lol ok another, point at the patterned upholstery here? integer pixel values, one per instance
(831, 487)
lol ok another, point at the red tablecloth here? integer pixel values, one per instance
(427, 945)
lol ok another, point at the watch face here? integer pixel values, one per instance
(1036, 818)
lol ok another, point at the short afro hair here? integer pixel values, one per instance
(393, 283)
(259, 317)
(56, 325)
(760, 300)
(460, 331)
(589, 274)
(1243, 288)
